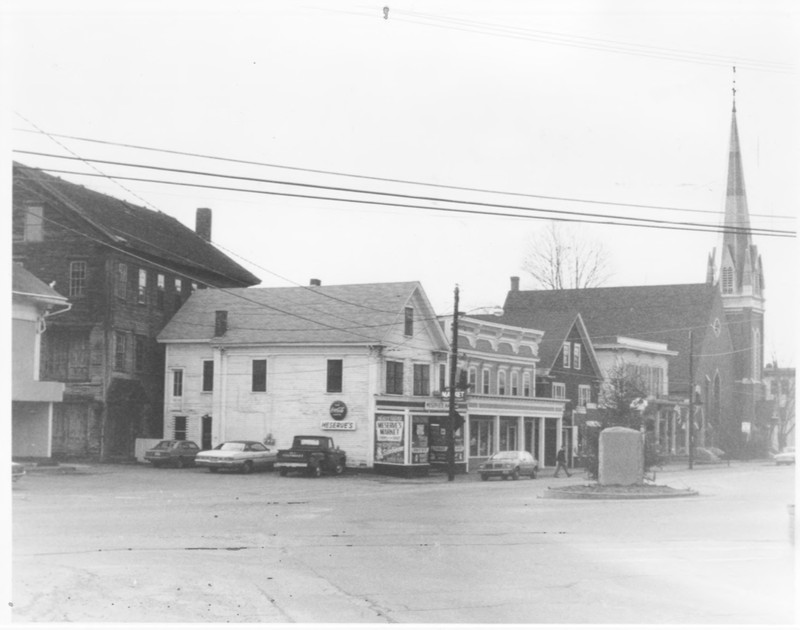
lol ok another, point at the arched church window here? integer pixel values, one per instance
(727, 279)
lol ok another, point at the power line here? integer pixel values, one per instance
(388, 179)
(627, 222)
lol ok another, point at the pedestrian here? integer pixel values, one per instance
(561, 462)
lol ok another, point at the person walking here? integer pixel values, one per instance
(561, 462)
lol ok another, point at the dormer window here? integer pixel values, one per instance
(727, 280)
(565, 354)
(408, 330)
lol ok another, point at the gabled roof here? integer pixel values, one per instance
(362, 314)
(133, 228)
(25, 284)
(662, 313)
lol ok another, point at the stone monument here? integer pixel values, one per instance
(621, 457)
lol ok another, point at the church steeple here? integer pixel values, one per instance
(740, 264)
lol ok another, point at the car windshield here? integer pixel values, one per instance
(231, 446)
(506, 455)
(165, 444)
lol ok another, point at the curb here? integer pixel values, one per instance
(572, 492)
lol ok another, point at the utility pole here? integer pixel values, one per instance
(451, 416)
(691, 399)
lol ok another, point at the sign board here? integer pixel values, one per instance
(338, 410)
(338, 425)
(460, 394)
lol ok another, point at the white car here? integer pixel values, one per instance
(242, 455)
(786, 456)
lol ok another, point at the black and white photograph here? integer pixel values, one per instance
(464, 312)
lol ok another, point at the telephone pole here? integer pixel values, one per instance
(451, 416)
(691, 399)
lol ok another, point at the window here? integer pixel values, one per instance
(177, 383)
(178, 293)
(501, 383)
(559, 391)
(565, 354)
(33, 225)
(139, 353)
(208, 376)
(584, 395)
(120, 351)
(442, 377)
(485, 383)
(526, 384)
(259, 380)
(473, 379)
(727, 279)
(160, 290)
(335, 367)
(422, 379)
(194, 287)
(122, 281)
(515, 383)
(576, 356)
(394, 377)
(409, 322)
(141, 292)
(77, 278)
(180, 428)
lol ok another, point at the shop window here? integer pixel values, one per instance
(422, 379)
(334, 383)
(481, 440)
(394, 377)
(208, 376)
(259, 375)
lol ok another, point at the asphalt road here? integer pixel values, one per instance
(135, 544)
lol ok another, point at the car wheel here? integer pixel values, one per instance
(316, 471)
(338, 469)
(484, 477)
(247, 468)
(284, 472)
(515, 474)
(180, 463)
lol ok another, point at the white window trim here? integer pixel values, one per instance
(562, 387)
(566, 352)
(576, 356)
(486, 381)
(502, 391)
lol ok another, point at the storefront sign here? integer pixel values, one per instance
(337, 425)
(389, 442)
(338, 410)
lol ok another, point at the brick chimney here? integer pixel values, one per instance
(315, 282)
(515, 283)
(220, 323)
(202, 223)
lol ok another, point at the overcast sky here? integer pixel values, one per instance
(623, 102)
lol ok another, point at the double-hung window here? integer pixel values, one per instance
(515, 383)
(485, 382)
(565, 354)
(422, 379)
(141, 292)
(120, 351)
(501, 383)
(160, 290)
(177, 383)
(121, 288)
(584, 395)
(334, 381)
(576, 356)
(559, 391)
(208, 376)
(394, 377)
(259, 375)
(408, 328)
(77, 278)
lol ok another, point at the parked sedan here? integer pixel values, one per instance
(17, 470)
(786, 456)
(178, 453)
(511, 464)
(242, 455)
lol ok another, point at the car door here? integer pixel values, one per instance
(260, 455)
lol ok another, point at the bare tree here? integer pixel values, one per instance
(560, 259)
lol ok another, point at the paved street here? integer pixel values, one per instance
(135, 544)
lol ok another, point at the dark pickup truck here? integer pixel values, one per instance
(312, 454)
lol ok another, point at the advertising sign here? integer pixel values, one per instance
(438, 440)
(337, 425)
(389, 439)
(419, 441)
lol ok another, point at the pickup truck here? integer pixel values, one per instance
(313, 454)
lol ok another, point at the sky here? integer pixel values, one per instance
(602, 109)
